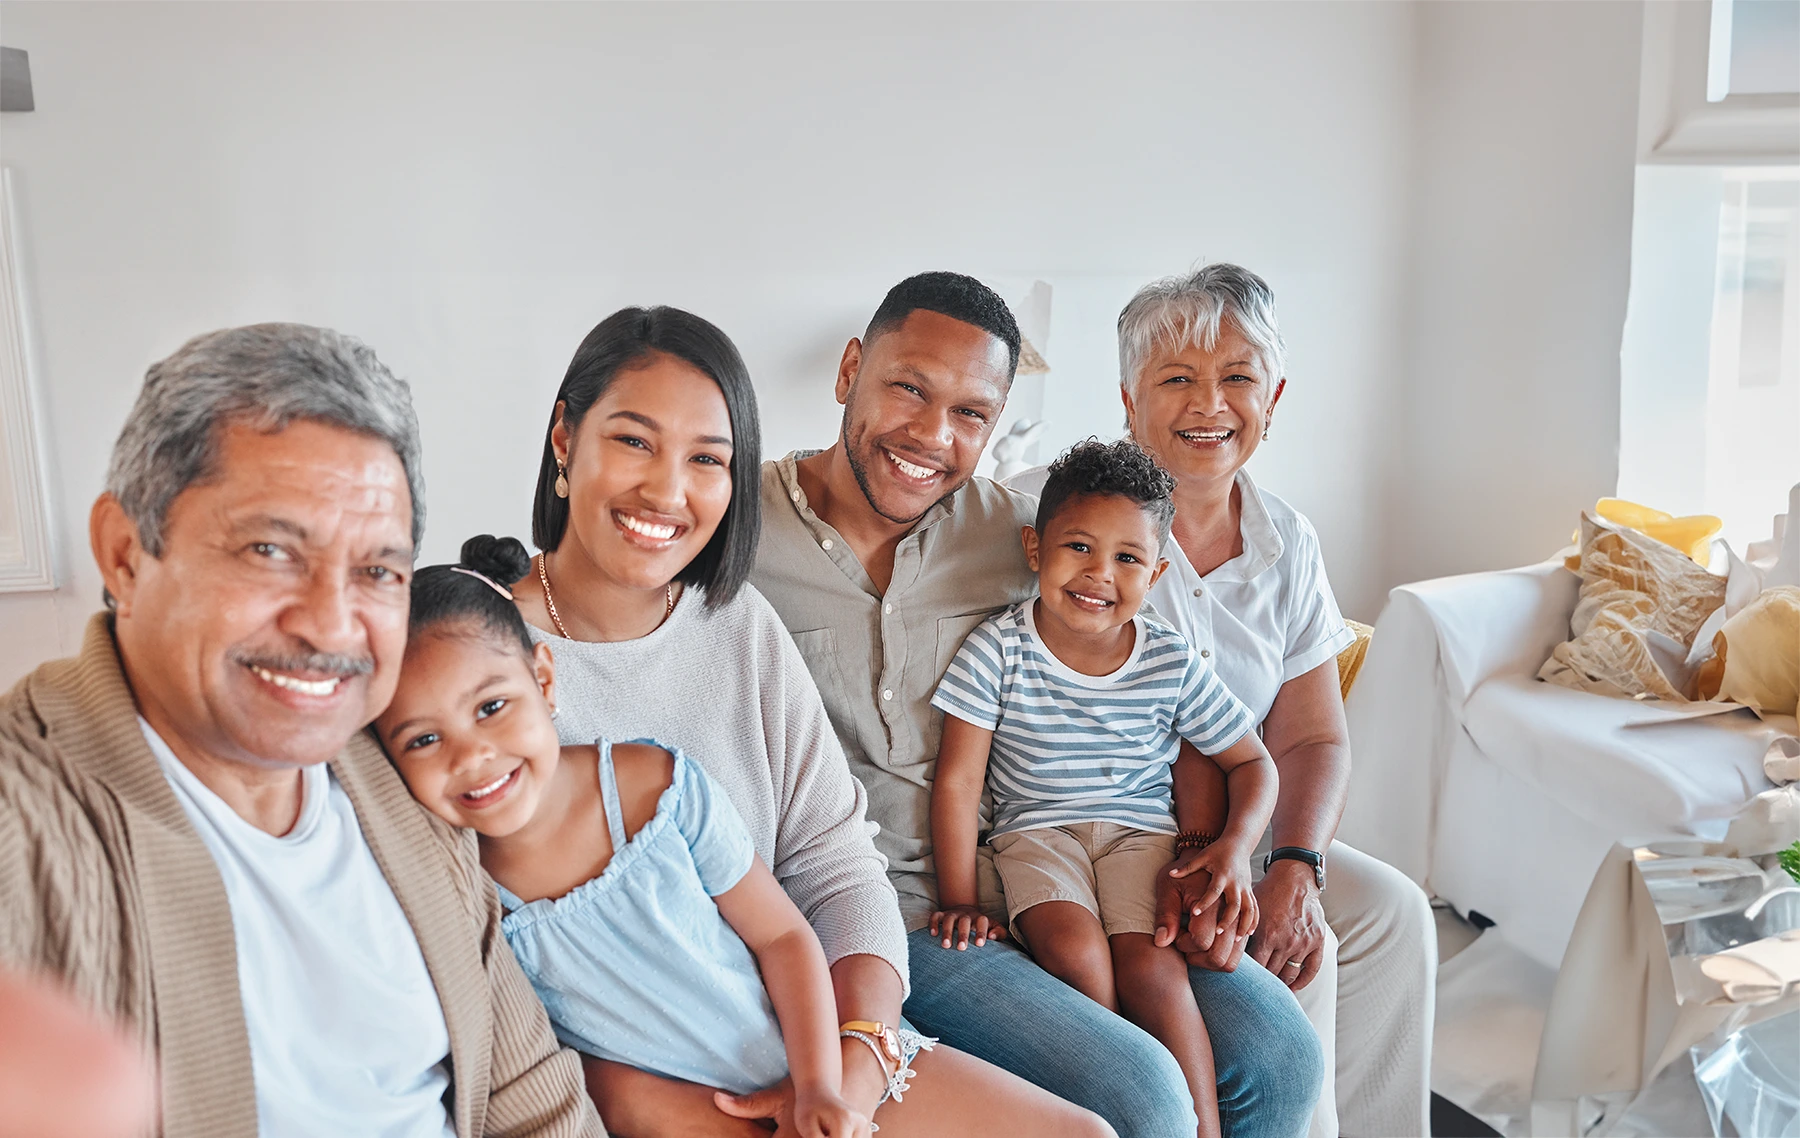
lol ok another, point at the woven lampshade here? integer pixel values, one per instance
(1030, 362)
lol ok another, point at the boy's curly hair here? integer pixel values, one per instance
(1120, 468)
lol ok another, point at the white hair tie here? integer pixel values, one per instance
(484, 579)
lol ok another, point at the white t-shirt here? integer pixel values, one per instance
(1261, 619)
(346, 1032)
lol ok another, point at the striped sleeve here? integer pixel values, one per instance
(1208, 715)
(970, 689)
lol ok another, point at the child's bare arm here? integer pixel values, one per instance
(799, 984)
(955, 820)
(1251, 783)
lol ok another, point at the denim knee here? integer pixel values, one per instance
(996, 1004)
(1289, 1076)
(1269, 1065)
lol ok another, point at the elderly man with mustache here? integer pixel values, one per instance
(196, 837)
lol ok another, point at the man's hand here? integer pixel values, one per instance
(959, 921)
(1291, 941)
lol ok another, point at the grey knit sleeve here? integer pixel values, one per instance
(825, 854)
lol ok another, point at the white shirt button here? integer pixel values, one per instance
(794, 495)
(1205, 653)
(887, 608)
(887, 693)
(825, 545)
(1199, 592)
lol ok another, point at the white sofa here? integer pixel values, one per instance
(1501, 793)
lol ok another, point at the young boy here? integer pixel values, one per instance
(1071, 707)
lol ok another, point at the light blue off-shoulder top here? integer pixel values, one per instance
(638, 965)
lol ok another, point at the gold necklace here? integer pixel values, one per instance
(550, 599)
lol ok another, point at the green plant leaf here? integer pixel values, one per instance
(1790, 860)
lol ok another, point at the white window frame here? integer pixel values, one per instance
(1676, 123)
(32, 568)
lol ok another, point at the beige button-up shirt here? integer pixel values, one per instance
(877, 657)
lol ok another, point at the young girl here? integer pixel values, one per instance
(635, 901)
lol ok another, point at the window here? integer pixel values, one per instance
(1709, 409)
(1710, 366)
(1753, 381)
(1754, 49)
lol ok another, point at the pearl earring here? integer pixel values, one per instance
(1265, 432)
(562, 480)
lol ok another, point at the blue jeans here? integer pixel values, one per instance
(994, 1002)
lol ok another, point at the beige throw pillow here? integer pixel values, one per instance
(1632, 586)
(1759, 650)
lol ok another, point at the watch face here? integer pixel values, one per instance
(890, 1043)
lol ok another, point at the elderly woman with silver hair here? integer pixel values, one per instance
(1202, 366)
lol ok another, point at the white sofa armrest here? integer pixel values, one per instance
(1499, 623)
(1435, 643)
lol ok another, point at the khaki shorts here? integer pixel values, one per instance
(1108, 869)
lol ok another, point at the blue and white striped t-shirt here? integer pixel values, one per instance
(1071, 748)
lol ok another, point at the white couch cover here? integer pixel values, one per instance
(1502, 794)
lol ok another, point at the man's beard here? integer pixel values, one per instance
(860, 471)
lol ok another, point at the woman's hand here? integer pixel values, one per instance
(637, 1104)
(793, 1114)
(959, 921)
(822, 1114)
(1291, 942)
(763, 1112)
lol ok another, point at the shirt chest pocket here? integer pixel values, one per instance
(951, 632)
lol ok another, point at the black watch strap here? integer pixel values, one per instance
(1298, 853)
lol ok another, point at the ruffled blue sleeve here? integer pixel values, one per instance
(722, 848)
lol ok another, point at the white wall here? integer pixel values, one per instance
(1526, 139)
(470, 187)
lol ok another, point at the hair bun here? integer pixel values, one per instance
(499, 559)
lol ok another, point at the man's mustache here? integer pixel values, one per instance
(292, 663)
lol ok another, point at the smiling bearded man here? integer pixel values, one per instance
(196, 837)
(881, 553)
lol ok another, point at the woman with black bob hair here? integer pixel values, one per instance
(650, 486)
(628, 340)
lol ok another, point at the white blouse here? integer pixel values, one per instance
(1262, 618)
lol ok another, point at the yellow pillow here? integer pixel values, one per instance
(1350, 660)
(1692, 534)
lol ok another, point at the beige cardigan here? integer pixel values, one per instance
(104, 882)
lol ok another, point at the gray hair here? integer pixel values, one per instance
(264, 375)
(1183, 311)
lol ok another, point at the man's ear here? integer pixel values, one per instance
(848, 367)
(113, 536)
(543, 670)
(1029, 536)
(1160, 566)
